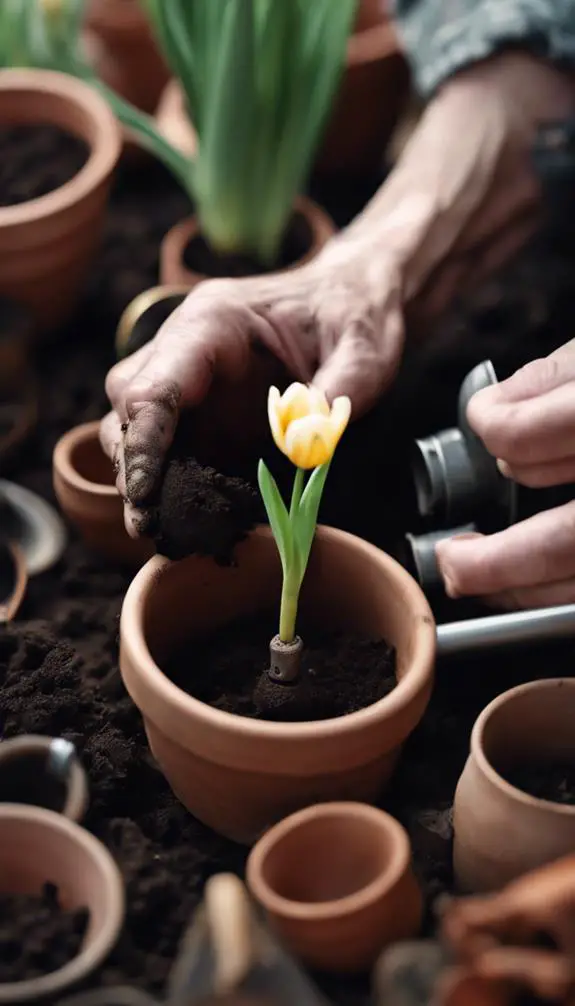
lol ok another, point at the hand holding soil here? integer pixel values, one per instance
(460, 201)
(527, 422)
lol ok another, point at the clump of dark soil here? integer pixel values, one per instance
(199, 257)
(343, 672)
(35, 160)
(37, 935)
(554, 781)
(202, 512)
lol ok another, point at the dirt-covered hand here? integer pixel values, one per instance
(528, 424)
(322, 322)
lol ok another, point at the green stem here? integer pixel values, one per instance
(296, 493)
(288, 611)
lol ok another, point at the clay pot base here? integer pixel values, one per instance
(37, 930)
(35, 160)
(343, 673)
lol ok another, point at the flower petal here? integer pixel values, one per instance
(295, 403)
(276, 427)
(310, 441)
(339, 416)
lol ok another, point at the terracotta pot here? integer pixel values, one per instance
(13, 580)
(124, 53)
(47, 244)
(241, 775)
(336, 883)
(500, 831)
(45, 772)
(37, 847)
(174, 272)
(84, 485)
(371, 98)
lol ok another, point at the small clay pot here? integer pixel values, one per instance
(372, 95)
(43, 772)
(241, 775)
(84, 483)
(336, 883)
(13, 580)
(124, 53)
(500, 832)
(38, 847)
(174, 272)
(47, 244)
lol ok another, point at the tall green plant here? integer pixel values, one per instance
(259, 78)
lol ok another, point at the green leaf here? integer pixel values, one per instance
(277, 516)
(305, 521)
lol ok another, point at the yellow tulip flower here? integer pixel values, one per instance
(304, 427)
(51, 7)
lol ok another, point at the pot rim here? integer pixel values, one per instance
(485, 766)
(383, 884)
(64, 468)
(9, 609)
(104, 146)
(90, 956)
(418, 677)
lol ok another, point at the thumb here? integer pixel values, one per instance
(363, 362)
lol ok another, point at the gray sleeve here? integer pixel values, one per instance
(442, 36)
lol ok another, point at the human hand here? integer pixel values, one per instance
(323, 322)
(528, 423)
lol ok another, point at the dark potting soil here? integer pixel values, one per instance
(555, 781)
(35, 160)
(341, 673)
(59, 661)
(200, 258)
(37, 935)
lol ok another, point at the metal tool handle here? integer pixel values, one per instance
(502, 630)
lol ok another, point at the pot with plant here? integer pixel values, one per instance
(59, 144)
(250, 719)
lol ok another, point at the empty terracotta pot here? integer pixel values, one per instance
(372, 95)
(174, 271)
(336, 883)
(124, 53)
(500, 831)
(84, 483)
(46, 244)
(37, 847)
(13, 580)
(43, 772)
(241, 775)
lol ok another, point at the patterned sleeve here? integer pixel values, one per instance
(442, 36)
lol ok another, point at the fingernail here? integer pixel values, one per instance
(504, 468)
(138, 484)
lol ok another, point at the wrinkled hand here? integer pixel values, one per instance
(528, 423)
(460, 201)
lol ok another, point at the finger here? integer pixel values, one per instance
(363, 362)
(122, 373)
(539, 476)
(546, 596)
(110, 434)
(538, 429)
(546, 973)
(471, 924)
(540, 550)
(137, 520)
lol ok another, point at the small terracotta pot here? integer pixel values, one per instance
(371, 98)
(37, 847)
(336, 883)
(84, 485)
(44, 772)
(241, 775)
(13, 580)
(47, 244)
(124, 53)
(174, 272)
(501, 832)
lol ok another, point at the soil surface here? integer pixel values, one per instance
(36, 935)
(341, 673)
(554, 782)
(200, 258)
(59, 661)
(35, 160)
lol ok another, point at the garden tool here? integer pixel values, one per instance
(32, 525)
